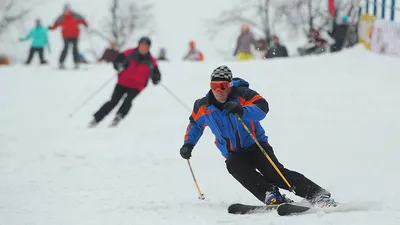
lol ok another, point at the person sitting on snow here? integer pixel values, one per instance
(276, 50)
(110, 53)
(82, 58)
(193, 54)
(162, 55)
(316, 44)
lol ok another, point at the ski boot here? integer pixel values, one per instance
(92, 123)
(116, 120)
(276, 198)
(325, 201)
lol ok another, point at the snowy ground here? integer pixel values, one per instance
(333, 119)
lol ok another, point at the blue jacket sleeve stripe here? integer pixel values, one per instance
(193, 133)
(255, 107)
(197, 123)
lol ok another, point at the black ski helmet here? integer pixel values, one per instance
(145, 40)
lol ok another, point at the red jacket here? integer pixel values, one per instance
(138, 69)
(70, 24)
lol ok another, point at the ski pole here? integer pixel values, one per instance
(176, 97)
(291, 188)
(90, 97)
(201, 195)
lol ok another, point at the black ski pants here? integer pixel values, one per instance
(34, 50)
(253, 170)
(67, 43)
(119, 92)
(337, 46)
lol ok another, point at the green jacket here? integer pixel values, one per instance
(39, 36)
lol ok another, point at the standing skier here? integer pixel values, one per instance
(69, 21)
(40, 41)
(231, 97)
(135, 67)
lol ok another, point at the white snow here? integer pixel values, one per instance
(334, 118)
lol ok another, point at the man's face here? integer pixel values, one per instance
(221, 90)
(67, 12)
(245, 28)
(143, 48)
(275, 40)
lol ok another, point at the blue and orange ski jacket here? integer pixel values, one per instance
(230, 135)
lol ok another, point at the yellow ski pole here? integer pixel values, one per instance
(291, 188)
(201, 195)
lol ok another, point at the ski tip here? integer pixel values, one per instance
(286, 209)
(233, 209)
(238, 208)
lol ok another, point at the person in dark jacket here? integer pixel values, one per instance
(339, 34)
(135, 67)
(162, 55)
(228, 100)
(276, 50)
(110, 53)
(69, 21)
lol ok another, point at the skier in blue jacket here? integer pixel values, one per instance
(40, 41)
(228, 99)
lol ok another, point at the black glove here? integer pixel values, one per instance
(120, 62)
(120, 66)
(186, 151)
(233, 107)
(155, 82)
(156, 76)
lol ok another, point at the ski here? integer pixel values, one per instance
(295, 209)
(238, 208)
(299, 208)
(286, 209)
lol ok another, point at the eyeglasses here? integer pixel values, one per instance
(220, 86)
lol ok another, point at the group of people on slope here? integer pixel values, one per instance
(69, 21)
(246, 42)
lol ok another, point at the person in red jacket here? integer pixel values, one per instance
(69, 21)
(135, 67)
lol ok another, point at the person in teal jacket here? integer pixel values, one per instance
(40, 41)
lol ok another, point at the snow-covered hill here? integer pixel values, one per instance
(333, 118)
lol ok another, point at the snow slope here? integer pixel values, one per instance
(333, 119)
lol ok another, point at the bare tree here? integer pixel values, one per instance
(11, 12)
(125, 18)
(13, 17)
(301, 15)
(254, 13)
